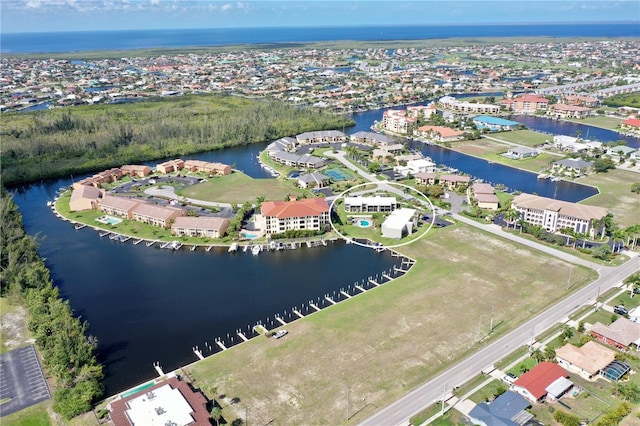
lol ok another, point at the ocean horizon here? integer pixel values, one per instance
(79, 41)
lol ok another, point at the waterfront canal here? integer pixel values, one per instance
(148, 305)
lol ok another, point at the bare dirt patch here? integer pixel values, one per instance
(13, 327)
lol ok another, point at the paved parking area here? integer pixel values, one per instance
(22, 380)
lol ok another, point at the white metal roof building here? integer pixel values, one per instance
(399, 223)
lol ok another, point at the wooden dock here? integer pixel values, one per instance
(221, 345)
(298, 313)
(345, 294)
(281, 321)
(136, 242)
(150, 243)
(330, 300)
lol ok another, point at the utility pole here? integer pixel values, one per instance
(491, 323)
(569, 279)
(444, 395)
(347, 404)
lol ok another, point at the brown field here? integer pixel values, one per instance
(386, 342)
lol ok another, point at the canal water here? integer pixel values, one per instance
(147, 305)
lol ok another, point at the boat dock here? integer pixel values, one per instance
(136, 242)
(79, 226)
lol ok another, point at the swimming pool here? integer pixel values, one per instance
(108, 220)
(363, 223)
(248, 236)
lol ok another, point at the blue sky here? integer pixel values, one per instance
(82, 15)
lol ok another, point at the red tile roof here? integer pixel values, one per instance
(298, 208)
(632, 122)
(539, 377)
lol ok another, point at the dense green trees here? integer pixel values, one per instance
(88, 138)
(67, 351)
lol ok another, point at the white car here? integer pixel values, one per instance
(280, 333)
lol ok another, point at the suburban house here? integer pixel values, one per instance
(204, 226)
(452, 182)
(485, 196)
(370, 204)
(623, 333)
(554, 215)
(305, 214)
(413, 167)
(520, 152)
(621, 151)
(569, 143)
(398, 121)
(542, 380)
(217, 169)
(156, 215)
(170, 166)
(135, 170)
(423, 179)
(371, 138)
(438, 133)
(527, 104)
(453, 104)
(85, 198)
(118, 206)
(313, 180)
(508, 409)
(171, 401)
(631, 124)
(322, 136)
(572, 167)
(587, 360)
(494, 123)
(568, 111)
(399, 223)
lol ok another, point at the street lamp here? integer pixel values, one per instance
(479, 326)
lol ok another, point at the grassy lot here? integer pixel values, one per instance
(13, 326)
(238, 188)
(305, 375)
(605, 122)
(36, 415)
(615, 195)
(528, 138)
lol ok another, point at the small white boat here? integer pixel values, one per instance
(233, 248)
(255, 250)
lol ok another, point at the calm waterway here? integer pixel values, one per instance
(146, 304)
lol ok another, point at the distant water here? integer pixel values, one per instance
(140, 39)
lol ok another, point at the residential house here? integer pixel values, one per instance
(508, 409)
(485, 196)
(399, 223)
(84, 198)
(170, 401)
(452, 182)
(631, 124)
(170, 166)
(568, 111)
(569, 143)
(370, 204)
(534, 384)
(155, 215)
(521, 152)
(573, 167)
(439, 133)
(305, 214)
(555, 215)
(203, 226)
(118, 206)
(587, 360)
(313, 180)
(424, 179)
(413, 167)
(623, 333)
(134, 170)
(282, 144)
(621, 151)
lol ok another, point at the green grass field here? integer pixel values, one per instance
(615, 195)
(415, 329)
(238, 188)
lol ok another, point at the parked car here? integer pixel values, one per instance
(620, 310)
(509, 378)
(280, 333)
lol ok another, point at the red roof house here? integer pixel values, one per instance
(534, 383)
(632, 123)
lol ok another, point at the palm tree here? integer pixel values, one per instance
(216, 414)
(512, 216)
(618, 235)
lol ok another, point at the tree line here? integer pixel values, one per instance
(56, 143)
(66, 349)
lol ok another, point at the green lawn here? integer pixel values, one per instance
(36, 415)
(304, 375)
(528, 138)
(605, 122)
(238, 188)
(615, 195)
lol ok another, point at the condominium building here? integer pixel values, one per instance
(118, 206)
(305, 214)
(370, 204)
(156, 215)
(213, 227)
(397, 121)
(555, 215)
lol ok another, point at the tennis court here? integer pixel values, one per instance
(337, 175)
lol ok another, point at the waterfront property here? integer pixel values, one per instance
(439, 133)
(397, 121)
(106, 176)
(135, 170)
(212, 227)
(170, 402)
(156, 215)
(520, 152)
(322, 136)
(217, 169)
(306, 214)
(291, 159)
(569, 111)
(84, 198)
(572, 167)
(118, 206)
(399, 223)
(313, 180)
(423, 179)
(587, 360)
(555, 215)
(528, 103)
(453, 182)
(484, 195)
(170, 166)
(375, 204)
(453, 104)
(494, 123)
(372, 138)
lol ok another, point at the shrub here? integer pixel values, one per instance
(566, 419)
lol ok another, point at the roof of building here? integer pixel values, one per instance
(592, 357)
(635, 122)
(85, 192)
(296, 208)
(487, 198)
(399, 218)
(579, 211)
(420, 162)
(315, 177)
(455, 178)
(522, 150)
(482, 188)
(155, 211)
(565, 107)
(202, 222)
(501, 411)
(135, 167)
(574, 163)
(623, 331)
(169, 402)
(377, 200)
(321, 134)
(495, 120)
(441, 130)
(121, 203)
(539, 377)
(374, 137)
(559, 387)
(425, 176)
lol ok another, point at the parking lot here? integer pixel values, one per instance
(22, 381)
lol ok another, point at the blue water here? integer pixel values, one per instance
(139, 39)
